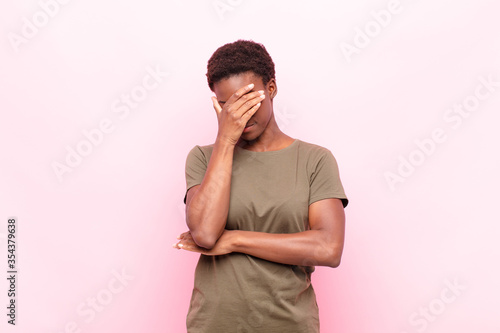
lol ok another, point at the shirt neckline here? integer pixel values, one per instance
(271, 152)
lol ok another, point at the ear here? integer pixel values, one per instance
(272, 88)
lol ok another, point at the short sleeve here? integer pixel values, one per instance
(325, 180)
(196, 166)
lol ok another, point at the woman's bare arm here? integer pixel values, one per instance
(207, 204)
(321, 246)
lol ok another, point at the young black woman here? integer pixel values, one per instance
(262, 208)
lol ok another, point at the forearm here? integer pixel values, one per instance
(307, 248)
(207, 212)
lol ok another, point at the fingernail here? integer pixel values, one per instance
(174, 245)
(179, 237)
(261, 92)
(250, 85)
(180, 245)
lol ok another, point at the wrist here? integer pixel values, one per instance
(224, 142)
(233, 240)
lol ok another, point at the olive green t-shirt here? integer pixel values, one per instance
(270, 192)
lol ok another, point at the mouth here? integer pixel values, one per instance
(248, 128)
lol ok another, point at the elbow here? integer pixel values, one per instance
(201, 236)
(204, 240)
(334, 262)
(328, 253)
(335, 258)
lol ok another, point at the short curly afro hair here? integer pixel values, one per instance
(238, 57)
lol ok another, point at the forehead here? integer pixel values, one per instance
(228, 86)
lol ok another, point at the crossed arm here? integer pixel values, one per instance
(207, 206)
(322, 245)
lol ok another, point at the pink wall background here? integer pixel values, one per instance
(366, 79)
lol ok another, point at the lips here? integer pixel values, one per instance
(249, 125)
